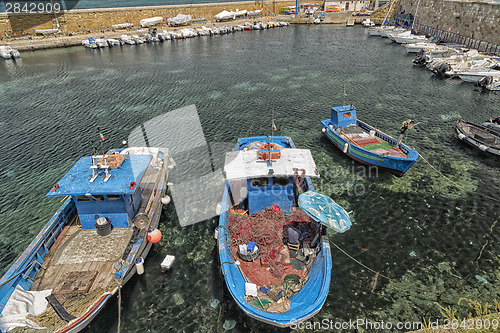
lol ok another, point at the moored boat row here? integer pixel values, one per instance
(448, 60)
(153, 35)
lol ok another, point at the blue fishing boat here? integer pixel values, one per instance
(92, 245)
(274, 257)
(366, 144)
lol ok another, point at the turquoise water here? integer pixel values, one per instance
(420, 229)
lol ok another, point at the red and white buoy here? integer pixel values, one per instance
(154, 235)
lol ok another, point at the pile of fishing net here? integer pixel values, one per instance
(275, 298)
(267, 228)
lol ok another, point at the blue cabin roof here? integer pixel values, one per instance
(77, 180)
(343, 116)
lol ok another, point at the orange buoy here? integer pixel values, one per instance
(264, 151)
(154, 235)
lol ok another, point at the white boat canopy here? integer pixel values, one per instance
(225, 15)
(246, 164)
(148, 22)
(179, 19)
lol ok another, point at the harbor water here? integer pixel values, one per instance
(437, 241)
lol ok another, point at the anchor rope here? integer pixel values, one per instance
(119, 282)
(376, 272)
(456, 184)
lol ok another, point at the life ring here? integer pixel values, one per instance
(264, 151)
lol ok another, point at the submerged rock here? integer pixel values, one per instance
(229, 324)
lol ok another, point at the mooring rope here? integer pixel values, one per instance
(456, 184)
(119, 282)
(374, 271)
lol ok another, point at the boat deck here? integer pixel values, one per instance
(363, 139)
(79, 268)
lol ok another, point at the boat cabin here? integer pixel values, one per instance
(104, 186)
(343, 116)
(278, 190)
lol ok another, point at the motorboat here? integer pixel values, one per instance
(8, 52)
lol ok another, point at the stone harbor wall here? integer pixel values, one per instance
(475, 19)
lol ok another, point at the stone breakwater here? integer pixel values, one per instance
(101, 20)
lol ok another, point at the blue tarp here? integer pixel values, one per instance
(323, 209)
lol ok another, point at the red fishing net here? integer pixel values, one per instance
(267, 229)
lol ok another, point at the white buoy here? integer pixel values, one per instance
(216, 233)
(346, 147)
(218, 209)
(139, 265)
(124, 142)
(167, 262)
(323, 129)
(483, 148)
(165, 200)
(461, 136)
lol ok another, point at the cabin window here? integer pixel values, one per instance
(97, 197)
(347, 115)
(81, 198)
(260, 182)
(113, 197)
(280, 181)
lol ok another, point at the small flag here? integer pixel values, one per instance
(274, 126)
(102, 136)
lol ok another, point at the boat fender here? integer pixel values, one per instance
(323, 129)
(216, 233)
(139, 265)
(483, 148)
(461, 136)
(165, 200)
(154, 235)
(346, 148)
(331, 126)
(218, 209)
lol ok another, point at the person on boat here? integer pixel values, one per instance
(496, 120)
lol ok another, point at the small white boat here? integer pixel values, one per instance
(138, 39)
(90, 43)
(240, 13)
(8, 52)
(126, 39)
(368, 23)
(225, 16)
(476, 74)
(388, 30)
(490, 83)
(151, 21)
(254, 13)
(47, 31)
(407, 37)
(101, 42)
(180, 19)
(114, 42)
(122, 25)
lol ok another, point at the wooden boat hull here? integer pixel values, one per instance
(303, 305)
(485, 139)
(25, 269)
(395, 165)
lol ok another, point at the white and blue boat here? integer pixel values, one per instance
(274, 257)
(365, 143)
(92, 245)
